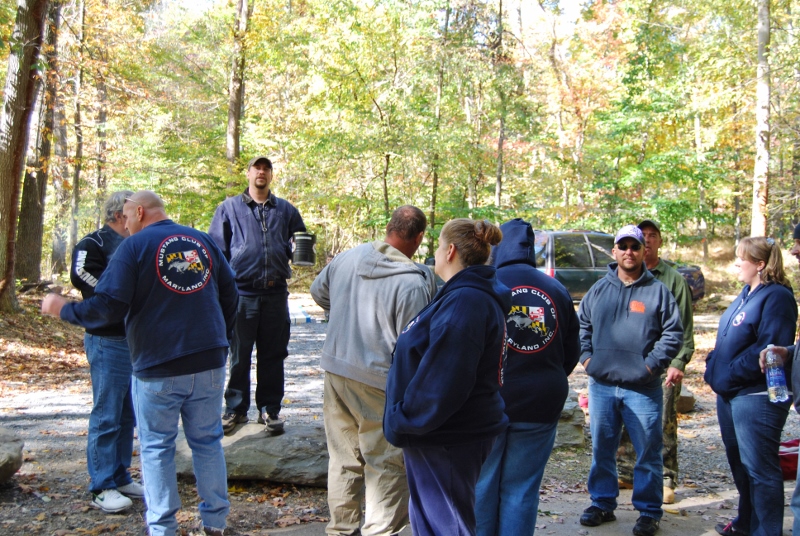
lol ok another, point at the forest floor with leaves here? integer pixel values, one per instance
(45, 397)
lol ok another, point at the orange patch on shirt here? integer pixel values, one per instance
(637, 307)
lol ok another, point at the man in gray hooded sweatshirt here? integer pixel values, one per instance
(371, 292)
(630, 332)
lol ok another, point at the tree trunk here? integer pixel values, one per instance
(31, 216)
(435, 159)
(78, 165)
(758, 224)
(386, 208)
(14, 122)
(498, 67)
(701, 187)
(236, 88)
(498, 186)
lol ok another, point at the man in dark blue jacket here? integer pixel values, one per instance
(630, 333)
(254, 231)
(177, 294)
(109, 445)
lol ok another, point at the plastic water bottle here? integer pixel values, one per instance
(776, 378)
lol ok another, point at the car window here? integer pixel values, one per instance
(571, 252)
(601, 249)
(540, 247)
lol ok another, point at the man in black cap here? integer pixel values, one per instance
(791, 359)
(677, 285)
(254, 231)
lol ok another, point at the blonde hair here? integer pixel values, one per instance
(764, 249)
(473, 239)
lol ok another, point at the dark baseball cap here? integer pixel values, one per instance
(649, 223)
(797, 232)
(258, 159)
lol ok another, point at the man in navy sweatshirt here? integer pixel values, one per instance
(177, 294)
(630, 333)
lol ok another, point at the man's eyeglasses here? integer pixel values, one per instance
(624, 247)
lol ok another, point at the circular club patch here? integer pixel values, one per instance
(183, 264)
(737, 321)
(533, 320)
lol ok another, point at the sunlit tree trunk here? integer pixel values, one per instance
(31, 217)
(78, 165)
(236, 88)
(14, 131)
(758, 224)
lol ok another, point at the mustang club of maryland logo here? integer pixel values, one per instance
(183, 264)
(532, 321)
(737, 321)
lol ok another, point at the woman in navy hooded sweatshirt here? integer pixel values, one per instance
(764, 313)
(442, 401)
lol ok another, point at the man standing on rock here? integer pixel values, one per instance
(371, 292)
(254, 231)
(178, 297)
(791, 360)
(109, 446)
(677, 285)
(630, 333)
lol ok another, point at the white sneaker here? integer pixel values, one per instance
(111, 501)
(133, 490)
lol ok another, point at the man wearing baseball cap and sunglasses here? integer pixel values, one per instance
(630, 333)
(677, 285)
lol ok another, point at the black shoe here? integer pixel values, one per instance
(594, 516)
(729, 530)
(230, 420)
(274, 424)
(645, 526)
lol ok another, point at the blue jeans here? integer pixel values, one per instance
(640, 409)
(110, 439)
(751, 429)
(262, 321)
(507, 495)
(441, 485)
(195, 399)
(796, 504)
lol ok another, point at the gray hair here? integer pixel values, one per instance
(114, 204)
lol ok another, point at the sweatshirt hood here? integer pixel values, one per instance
(482, 277)
(517, 245)
(383, 260)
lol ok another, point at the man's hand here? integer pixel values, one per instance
(52, 304)
(674, 376)
(782, 352)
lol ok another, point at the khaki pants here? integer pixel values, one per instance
(363, 465)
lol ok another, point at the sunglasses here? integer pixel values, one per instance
(625, 247)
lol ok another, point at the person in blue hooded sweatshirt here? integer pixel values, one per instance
(443, 405)
(765, 312)
(543, 349)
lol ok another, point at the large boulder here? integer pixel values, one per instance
(570, 426)
(299, 456)
(10, 454)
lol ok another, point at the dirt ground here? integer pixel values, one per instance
(45, 397)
